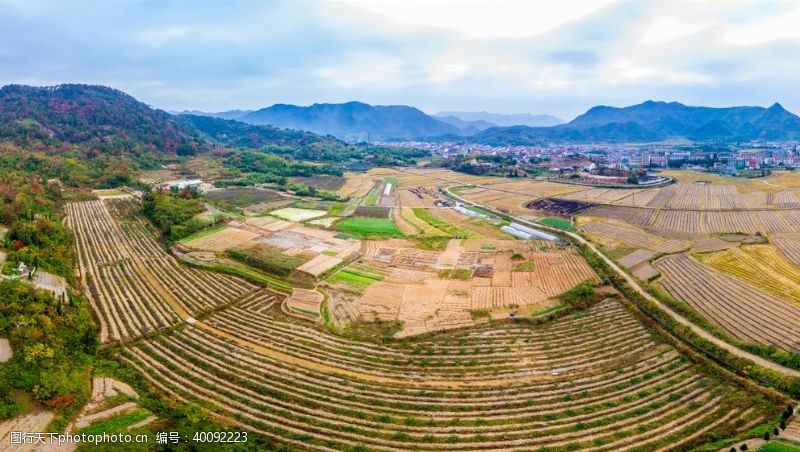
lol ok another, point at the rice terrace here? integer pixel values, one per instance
(356, 226)
(431, 328)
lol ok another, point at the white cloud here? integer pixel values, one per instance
(775, 27)
(484, 19)
(667, 29)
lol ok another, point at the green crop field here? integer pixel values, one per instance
(448, 228)
(369, 227)
(558, 223)
(354, 279)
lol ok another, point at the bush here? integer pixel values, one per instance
(267, 258)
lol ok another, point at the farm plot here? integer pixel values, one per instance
(305, 302)
(603, 231)
(594, 380)
(356, 185)
(498, 282)
(222, 240)
(761, 266)
(298, 215)
(744, 311)
(558, 207)
(366, 227)
(244, 196)
(134, 285)
(789, 246)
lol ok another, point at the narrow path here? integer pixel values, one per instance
(635, 286)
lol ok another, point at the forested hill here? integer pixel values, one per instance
(354, 121)
(657, 121)
(88, 115)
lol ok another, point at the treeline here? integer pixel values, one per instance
(35, 236)
(173, 213)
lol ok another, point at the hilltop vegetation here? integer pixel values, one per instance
(97, 136)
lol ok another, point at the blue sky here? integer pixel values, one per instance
(559, 57)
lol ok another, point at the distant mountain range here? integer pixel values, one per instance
(503, 120)
(357, 121)
(354, 121)
(104, 118)
(656, 121)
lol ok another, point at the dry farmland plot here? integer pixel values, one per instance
(135, 286)
(633, 237)
(762, 266)
(597, 380)
(744, 311)
(223, 240)
(305, 301)
(789, 246)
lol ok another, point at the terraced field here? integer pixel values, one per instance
(741, 309)
(594, 380)
(134, 285)
(762, 266)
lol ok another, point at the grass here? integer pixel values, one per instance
(203, 233)
(432, 242)
(779, 446)
(525, 266)
(337, 209)
(558, 223)
(305, 311)
(448, 228)
(372, 197)
(548, 310)
(355, 279)
(117, 424)
(364, 227)
(488, 246)
(460, 273)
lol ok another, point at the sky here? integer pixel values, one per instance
(506, 56)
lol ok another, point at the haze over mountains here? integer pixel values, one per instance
(103, 116)
(504, 120)
(653, 121)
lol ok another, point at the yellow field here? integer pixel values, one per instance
(779, 180)
(762, 266)
(356, 185)
(408, 214)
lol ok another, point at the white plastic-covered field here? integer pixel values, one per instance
(298, 215)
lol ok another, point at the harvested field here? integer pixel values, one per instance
(223, 240)
(305, 302)
(356, 185)
(558, 207)
(644, 271)
(319, 265)
(789, 246)
(133, 285)
(761, 266)
(603, 231)
(510, 387)
(711, 244)
(635, 258)
(742, 310)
